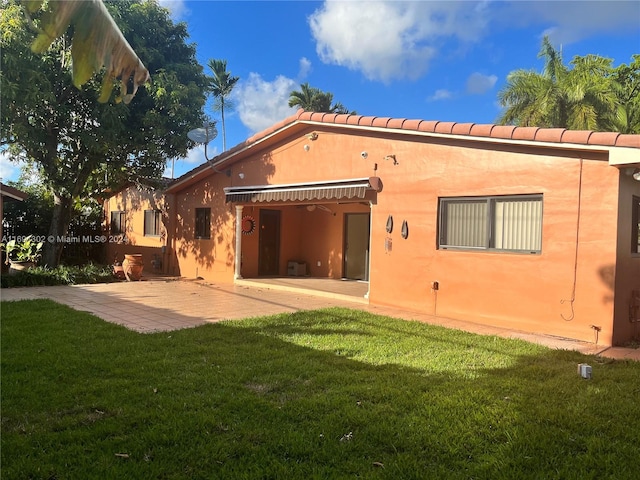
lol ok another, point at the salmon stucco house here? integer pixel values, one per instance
(535, 229)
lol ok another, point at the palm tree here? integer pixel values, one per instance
(579, 98)
(221, 85)
(313, 99)
(627, 79)
(97, 42)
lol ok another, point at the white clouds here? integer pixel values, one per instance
(305, 68)
(195, 156)
(177, 8)
(477, 83)
(9, 171)
(388, 40)
(441, 94)
(391, 40)
(567, 22)
(261, 103)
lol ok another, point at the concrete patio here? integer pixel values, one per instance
(164, 304)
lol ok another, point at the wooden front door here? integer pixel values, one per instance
(269, 243)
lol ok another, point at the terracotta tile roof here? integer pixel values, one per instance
(477, 130)
(554, 135)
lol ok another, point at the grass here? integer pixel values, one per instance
(325, 394)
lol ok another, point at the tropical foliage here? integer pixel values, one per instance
(313, 99)
(221, 85)
(591, 95)
(27, 250)
(97, 41)
(60, 275)
(82, 147)
(33, 215)
(627, 89)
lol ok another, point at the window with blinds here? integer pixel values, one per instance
(510, 223)
(152, 221)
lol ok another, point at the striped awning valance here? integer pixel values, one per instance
(304, 192)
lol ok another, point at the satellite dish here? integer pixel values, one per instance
(204, 134)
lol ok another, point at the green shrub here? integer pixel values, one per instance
(60, 275)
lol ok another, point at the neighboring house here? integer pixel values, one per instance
(524, 228)
(8, 193)
(137, 218)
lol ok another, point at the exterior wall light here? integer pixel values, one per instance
(405, 229)
(392, 157)
(389, 226)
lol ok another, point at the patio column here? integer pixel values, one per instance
(238, 258)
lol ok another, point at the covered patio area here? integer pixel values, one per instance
(342, 289)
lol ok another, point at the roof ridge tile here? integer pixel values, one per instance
(503, 131)
(381, 122)
(603, 138)
(444, 127)
(428, 126)
(628, 140)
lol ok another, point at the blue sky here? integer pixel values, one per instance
(433, 60)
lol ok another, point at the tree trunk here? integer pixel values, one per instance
(62, 211)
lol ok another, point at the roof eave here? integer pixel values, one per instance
(619, 147)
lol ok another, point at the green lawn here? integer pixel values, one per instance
(323, 394)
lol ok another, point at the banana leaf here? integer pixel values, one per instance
(97, 42)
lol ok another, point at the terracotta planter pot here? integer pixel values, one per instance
(133, 267)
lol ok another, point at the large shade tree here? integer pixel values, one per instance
(312, 99)
(587, 96)
(80, 146)
(221, 85)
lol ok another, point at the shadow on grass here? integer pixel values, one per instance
(324, 394)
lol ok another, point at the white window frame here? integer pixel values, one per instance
(488, 224)
(156, 228)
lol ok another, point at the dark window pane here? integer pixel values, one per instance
(203, 223)
(117, 222)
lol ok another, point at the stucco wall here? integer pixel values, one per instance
(532, 292)
(565, 290)
(134, 201)
(213, 258)
(626, 275)
(523, 291)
